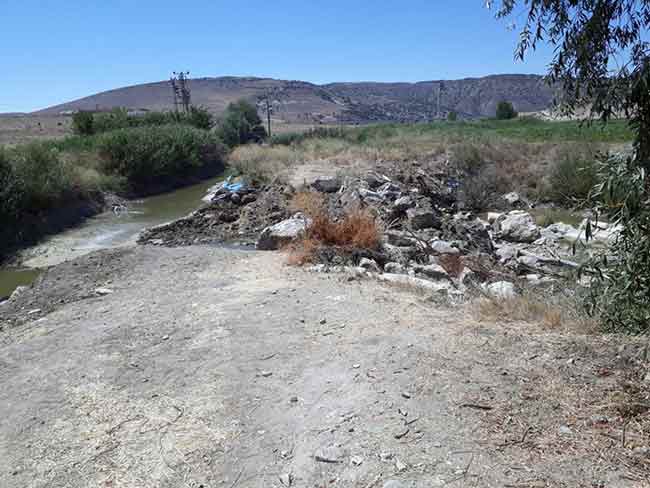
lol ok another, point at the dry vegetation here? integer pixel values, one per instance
(490, 160)
(552, 308)
(22, 129)
(357, 229)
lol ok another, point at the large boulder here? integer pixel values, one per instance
(517, 226)
(282, 233)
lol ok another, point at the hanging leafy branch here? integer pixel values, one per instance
(602, 60)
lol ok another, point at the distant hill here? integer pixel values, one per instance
(299, 101)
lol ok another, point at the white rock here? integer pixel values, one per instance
(529, 261)
(393, 267)
(443, 247)
(492, 216)
(514, 199)
(438, 287)
(517, 226)
(370, 196)
(506, 253)
(282, 233)
(403, 203)
(103, 291)
(394, 484)
(369, 264)
(501, 289)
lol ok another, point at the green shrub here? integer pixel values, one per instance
(452, 116)
(240, 124)
(505, 111)
(83, 123)
(157, 153)
(119, 118)
(10, 191)
(573, 175)
(43, 178)
(620, 292)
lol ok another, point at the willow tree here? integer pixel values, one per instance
(602, 60)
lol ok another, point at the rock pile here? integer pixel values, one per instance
(426, 237)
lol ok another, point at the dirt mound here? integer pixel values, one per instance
(230, 217)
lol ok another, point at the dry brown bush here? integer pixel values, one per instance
(357, 229)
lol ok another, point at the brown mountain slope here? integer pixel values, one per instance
(298, 101)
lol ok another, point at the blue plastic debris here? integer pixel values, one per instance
(232, 187)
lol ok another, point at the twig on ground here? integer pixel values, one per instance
(476, 406)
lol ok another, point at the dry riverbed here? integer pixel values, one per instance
(205, 367)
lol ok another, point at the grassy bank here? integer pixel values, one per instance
(47, 186)
(525, 129)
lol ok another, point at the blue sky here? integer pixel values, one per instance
(55, 51)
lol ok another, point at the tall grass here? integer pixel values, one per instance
(34, 179)
(88, 123)
(153, 154)
(263, 164)
(574, 174)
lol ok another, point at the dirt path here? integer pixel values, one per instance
(211, 368)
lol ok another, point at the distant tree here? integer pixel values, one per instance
(452, 116)
(240, 124)
(82, 123)
(505, 111)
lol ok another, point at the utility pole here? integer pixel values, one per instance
(180, 90)
(268, 113)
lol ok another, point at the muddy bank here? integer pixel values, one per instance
(65, 283)
(36, 226)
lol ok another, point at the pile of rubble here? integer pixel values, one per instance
(430, 243)
(234, 214)
(428, 240)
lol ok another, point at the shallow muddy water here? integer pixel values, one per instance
(106, 230)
